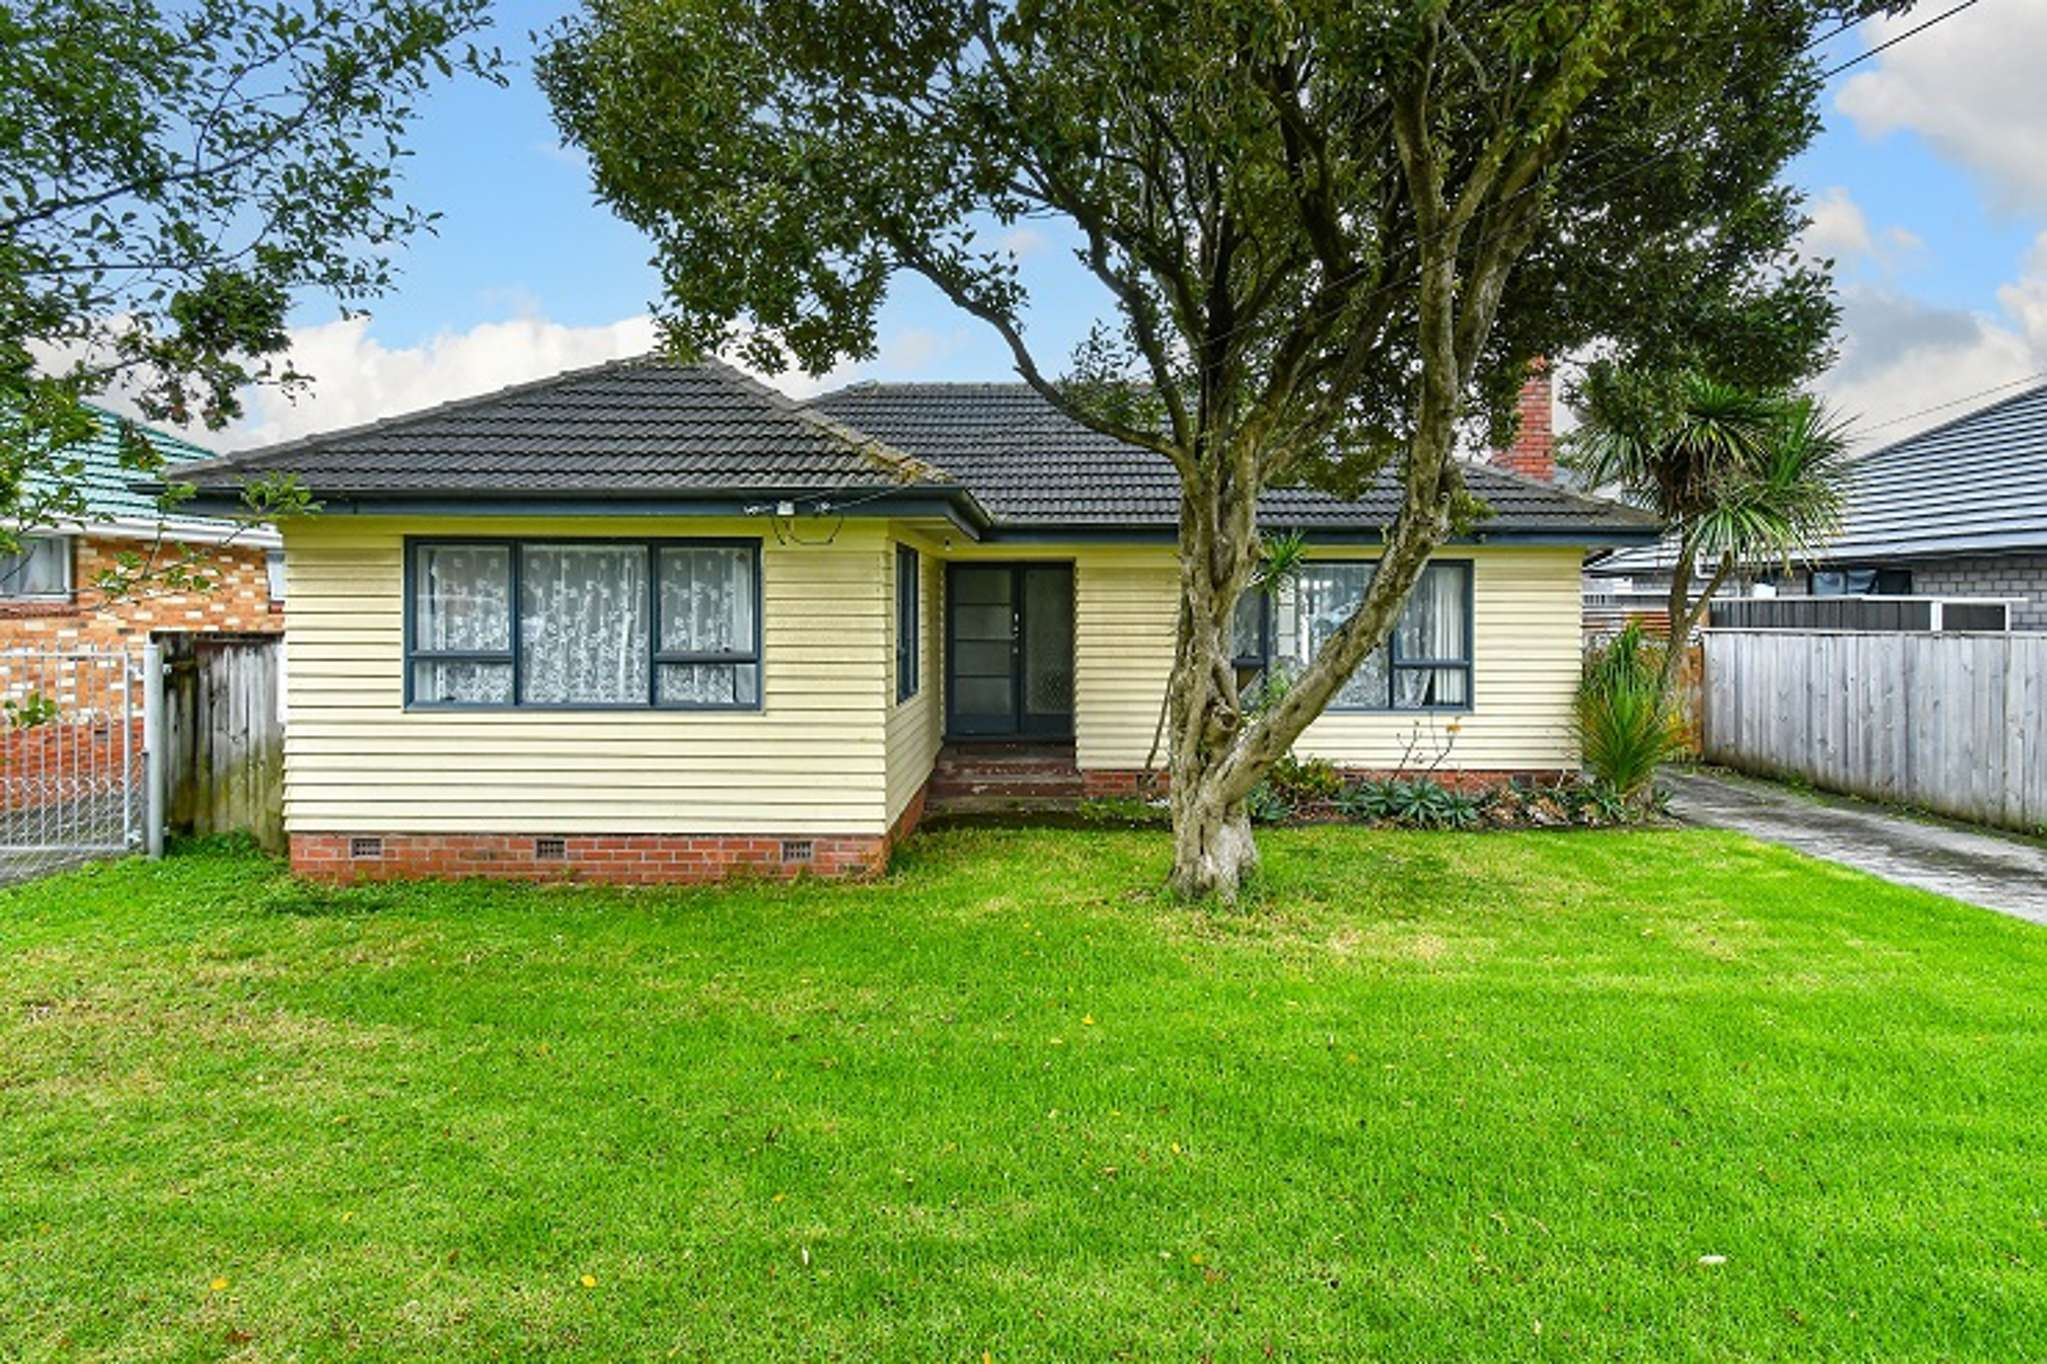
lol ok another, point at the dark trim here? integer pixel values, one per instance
(656, 656)
(957, 506)
(1169, 535)
(909, 623)
(1019, 727)
(954, 505)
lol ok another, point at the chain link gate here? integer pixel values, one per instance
(73, 776)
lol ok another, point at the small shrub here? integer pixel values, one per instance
(1267, 805)
(1626, 726)
(1313, 781)
(1367, 800)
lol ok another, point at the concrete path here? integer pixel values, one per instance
(2006, 874)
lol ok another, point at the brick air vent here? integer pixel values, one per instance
(550, 849)
(365, 847)
(797, 850)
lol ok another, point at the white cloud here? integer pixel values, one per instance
(1901, 356)
(358, 379)
(1972, 88)
(1023, 241)
(1838, 230)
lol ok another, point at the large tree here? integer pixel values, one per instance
(1332, 236)
(174, 174)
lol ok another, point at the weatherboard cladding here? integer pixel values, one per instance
(652, 426)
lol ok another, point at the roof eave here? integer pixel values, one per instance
(948, 502)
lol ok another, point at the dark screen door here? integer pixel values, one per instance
(1010, 661)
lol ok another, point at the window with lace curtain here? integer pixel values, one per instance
(571, 624)
(1424, 665)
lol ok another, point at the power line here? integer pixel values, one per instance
(1893, 42)
(1953, 402)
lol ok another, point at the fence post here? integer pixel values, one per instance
(153, 812)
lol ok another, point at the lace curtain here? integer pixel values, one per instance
(1433, 626)
(586, 635)
(583, 625)
(707, 609)
(464, 605)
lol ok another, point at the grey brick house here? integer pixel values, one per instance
(1956, 511)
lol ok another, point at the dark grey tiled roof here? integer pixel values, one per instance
(1974, 485)
(652, 427)
(644, 426)
(1029, 464)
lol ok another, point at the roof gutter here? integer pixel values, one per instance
(949, 503)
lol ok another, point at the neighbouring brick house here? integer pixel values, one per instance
(49, 597)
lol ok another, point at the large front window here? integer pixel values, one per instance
(1424, 665)
(602, 623)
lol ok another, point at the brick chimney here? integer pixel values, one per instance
(1534, 451)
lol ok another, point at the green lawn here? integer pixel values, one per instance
(1434, 1096)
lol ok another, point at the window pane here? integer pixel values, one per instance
(1432, 624)
(1246, 632)
(583, 624)
(1309, 610)
(273, 573)
(462, 683)
(709, 684)
(463, 599)
(1421, 688)
(41, 568)
(707, 600)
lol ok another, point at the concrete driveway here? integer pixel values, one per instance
(2007, 874)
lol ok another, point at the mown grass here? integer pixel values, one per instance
(1434, 1096)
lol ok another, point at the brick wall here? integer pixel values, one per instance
(2004, 575)
(239, 599)
(1534, 451)
(613, 859)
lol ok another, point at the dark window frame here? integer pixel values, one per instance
(656, 655)
(909, 623)
(1395, 664)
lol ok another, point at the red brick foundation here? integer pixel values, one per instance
(1109, 782)
(612, 859)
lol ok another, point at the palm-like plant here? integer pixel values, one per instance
(1739, 478)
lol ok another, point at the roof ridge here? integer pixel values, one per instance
(1556, 489)
(297, 444)
(900, 464)
(154, 432)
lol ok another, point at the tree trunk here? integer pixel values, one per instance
(1213, 851)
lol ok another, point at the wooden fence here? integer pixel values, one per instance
(1955, 723)
(224, 735)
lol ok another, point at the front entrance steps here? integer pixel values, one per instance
(992, 777)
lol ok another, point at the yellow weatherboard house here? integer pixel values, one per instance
(655, 621)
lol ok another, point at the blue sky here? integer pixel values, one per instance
(1928, 188)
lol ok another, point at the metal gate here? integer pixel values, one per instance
(72, 770)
